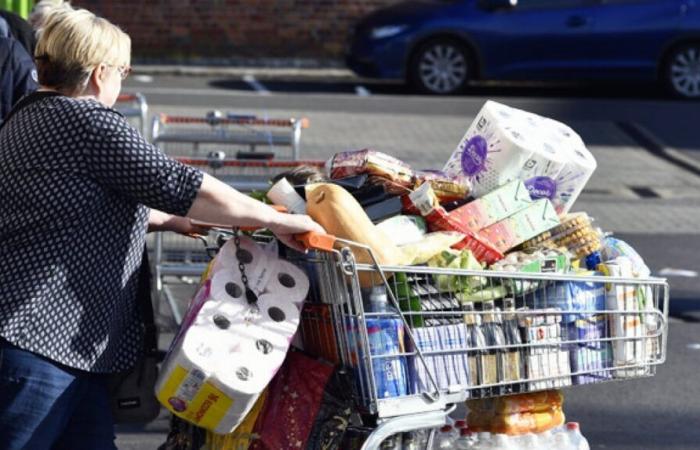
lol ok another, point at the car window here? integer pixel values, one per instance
(551, 4)
(617, 2)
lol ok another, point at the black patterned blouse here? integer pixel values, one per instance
(75, 183)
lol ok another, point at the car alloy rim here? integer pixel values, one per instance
(442, 68)
(685, 72)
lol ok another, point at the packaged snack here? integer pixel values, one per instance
(493, 207)
(516, 423)
(340, 215)
(577, 234)
(346, 164)
(519, 403)
(426, 203)
(404, 230)
(430, 245)
(545, 260)
(613, 248)
(447, 188)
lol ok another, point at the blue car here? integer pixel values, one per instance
(439, 46)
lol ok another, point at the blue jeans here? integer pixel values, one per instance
(45, 405)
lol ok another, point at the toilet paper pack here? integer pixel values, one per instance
(504, 143)
(227, 349)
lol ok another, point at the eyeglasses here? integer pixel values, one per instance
(124, 71)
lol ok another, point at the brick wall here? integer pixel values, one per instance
(235, 29)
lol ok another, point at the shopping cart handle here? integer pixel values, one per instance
(317, 241)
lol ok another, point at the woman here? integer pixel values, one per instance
(79, 188)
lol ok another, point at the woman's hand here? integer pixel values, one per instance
(285, 226)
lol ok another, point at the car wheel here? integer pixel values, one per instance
(682, 71)
(440, 66)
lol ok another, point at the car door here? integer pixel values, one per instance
(630, 36)
(540, 39)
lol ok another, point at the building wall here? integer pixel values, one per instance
(235, 29)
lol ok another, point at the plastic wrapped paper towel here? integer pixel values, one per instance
(504, 143)
(227, 350)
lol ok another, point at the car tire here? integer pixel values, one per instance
(681, 71)
(440, 66)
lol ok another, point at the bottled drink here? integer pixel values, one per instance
(502, 442)
(466, 440)
(475, 340)
(515, 366)
(416, 440)
(445, 438)
(578, 441)
(496, 357)
(378, 301)
(530, 441)
(482, 441)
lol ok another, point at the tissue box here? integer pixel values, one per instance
(504, 144)
(493, 207)
(521, 226)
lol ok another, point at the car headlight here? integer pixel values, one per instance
(387, 31)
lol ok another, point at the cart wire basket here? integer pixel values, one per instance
(447, 335)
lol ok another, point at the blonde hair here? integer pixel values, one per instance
(72, 43)
(42, 9)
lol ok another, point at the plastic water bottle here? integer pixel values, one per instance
(578, 441)
(560, 440)
(502, 442)
(529, 441)
(482, 441)
(466, 440)
(445, 438)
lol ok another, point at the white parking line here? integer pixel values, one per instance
(255, 84)
(362, 91)
(143, 78)
(670, 272)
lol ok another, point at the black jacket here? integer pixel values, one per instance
(17, 74)
(21, 30)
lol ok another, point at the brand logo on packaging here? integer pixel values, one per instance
(474, 156)
(211, 399)
(178, 404)
(541, 187)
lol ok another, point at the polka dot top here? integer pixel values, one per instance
(76, 182)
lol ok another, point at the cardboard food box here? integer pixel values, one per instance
(527, 223)
(493, 207)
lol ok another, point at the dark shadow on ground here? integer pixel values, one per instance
(534, 89)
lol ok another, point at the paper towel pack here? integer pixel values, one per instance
(227, 350)
(504, 143)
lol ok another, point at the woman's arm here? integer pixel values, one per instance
(162, 221)
(219, 203)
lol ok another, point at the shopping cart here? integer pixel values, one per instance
(135, 109)
(563, 341)
(237, 136)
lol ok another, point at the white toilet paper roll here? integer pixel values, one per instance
(278, 316)
(259, 266)
(289, 282)
(227, 286)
